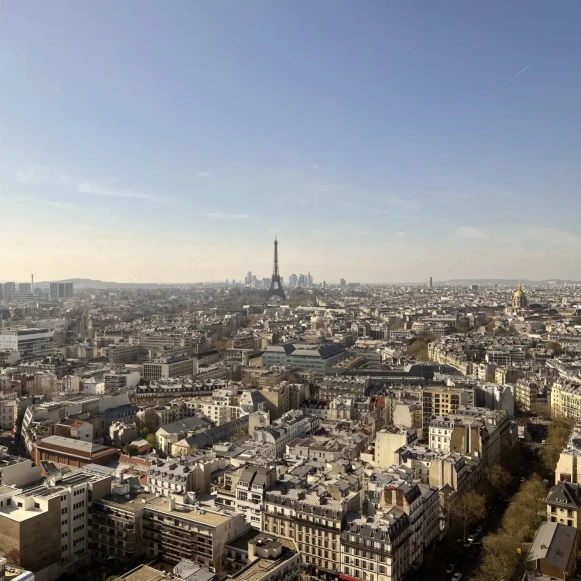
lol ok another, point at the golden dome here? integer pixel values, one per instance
(519, 292)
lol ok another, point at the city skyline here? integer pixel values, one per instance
(405, 146)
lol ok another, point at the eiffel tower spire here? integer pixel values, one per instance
(275, 284)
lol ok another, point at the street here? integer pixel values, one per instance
(466, 560)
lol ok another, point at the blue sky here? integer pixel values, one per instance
(382, 141)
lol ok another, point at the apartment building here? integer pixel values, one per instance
(23, 526)
(277, 399)
(337, 386)
(60, 506)
(564, 504)
(172, 433)
(8, 413)
(182, 474)
(388, 441)
(314, 520)
(30, 343)
(16, 471)
(173, 366)
(496, 432)
(292, 425)
(315, 449)
(566, 400)
(440, 433)
(376, 548)
(506, 357)
(443, 401)
(396, 488)
(121, 379)
(569, 464)
(117, 526)
(528, 394)
(175, 531)
(250, 491)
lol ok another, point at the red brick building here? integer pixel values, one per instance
(72, 452)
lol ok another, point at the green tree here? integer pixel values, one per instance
(152, 439)
(526, 510)
(498, 477)
(151, 420)
(501, 558)
(132, 450)
(418, 350)
(468, 508)
(555, 347)
(463, 327)
(557, 437)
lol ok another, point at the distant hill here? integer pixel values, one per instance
(100, 284)
(508, 282)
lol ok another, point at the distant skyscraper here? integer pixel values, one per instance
(9, 290)
(309, 280)
(293, 281)
(68, 290)
(24, 287)
(430, 284)
(343, 283)
(62, 291)
(302, 281)
(53, 294)
(248, 279)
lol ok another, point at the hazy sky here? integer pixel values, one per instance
(382, 141)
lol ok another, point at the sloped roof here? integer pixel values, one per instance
(554, 542)
(565, 495)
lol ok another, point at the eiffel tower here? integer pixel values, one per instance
(275, 289)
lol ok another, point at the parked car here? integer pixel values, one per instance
(456, 576)
(450, 568)
(522, 479)
(471, 538)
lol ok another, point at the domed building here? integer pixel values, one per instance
(519, 300)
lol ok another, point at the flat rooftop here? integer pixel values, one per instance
(134, 503)
(143, 573)
(259, 568)
(199, 515)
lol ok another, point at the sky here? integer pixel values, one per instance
(147, 141)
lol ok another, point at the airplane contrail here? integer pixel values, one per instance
(515, 76)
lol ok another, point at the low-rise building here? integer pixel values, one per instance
(72, 452)
(258, 556)
(172, 366)
(553, 553)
